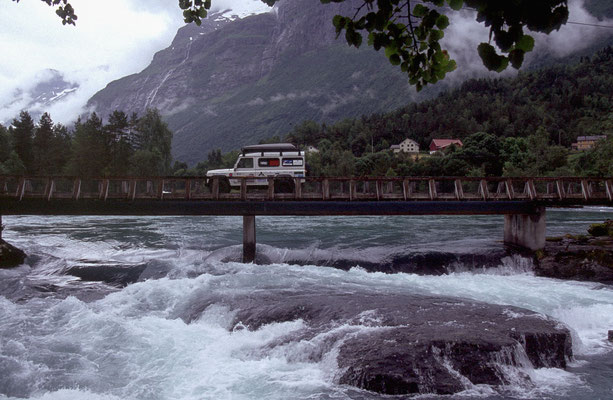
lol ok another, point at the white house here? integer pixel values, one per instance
(406, 146)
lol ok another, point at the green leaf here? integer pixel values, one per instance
(451, 66)
(456, 4)
(517, 58)
(420, 11)
(436, 35)
(338, 21)
(442, 22)
(526, 43)
(491, 59)
(394, 59)
(391, 50)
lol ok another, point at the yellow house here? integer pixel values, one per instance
(406, 146)
(586, 142)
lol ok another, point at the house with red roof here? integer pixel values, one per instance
(441, 144)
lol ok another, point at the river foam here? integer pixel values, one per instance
(131, 342)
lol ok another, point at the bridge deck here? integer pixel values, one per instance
(520, 199)
(299, 196)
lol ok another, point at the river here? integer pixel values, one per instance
(99, 311)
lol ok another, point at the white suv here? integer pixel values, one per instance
(261, 161)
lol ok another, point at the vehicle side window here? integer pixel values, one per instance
(268, 162)
(245, 162)
(293, 162)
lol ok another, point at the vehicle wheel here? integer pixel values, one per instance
(284, 185)
(224, 186)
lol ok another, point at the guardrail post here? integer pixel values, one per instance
(351, 190)
(243, 189)
(483, 189)
(585, 190)
(560, 189)
(509, 187)
(215, 188)
(132, 189)
(531, 189)
(609, 186)
(298, 188)
(325, 189)
(459, 191)
(50, 189)
(378, 189)
(405, 189)
(76, 189)
(188, 189)
(432, 189)
(271, 188)
(248, 238)
(161, 189)
(21, 188)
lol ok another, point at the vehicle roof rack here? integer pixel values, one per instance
(269, 148)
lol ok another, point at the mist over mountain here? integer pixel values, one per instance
(232, 82)
(229, 83)
(51, 88)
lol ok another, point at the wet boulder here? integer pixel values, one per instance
(406, 344)
(10, 256)
(583, 258)
(113, 274)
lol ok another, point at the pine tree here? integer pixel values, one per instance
(154, 144)
(23, 132)
(89, 149)
(43, 139)
(119, 132)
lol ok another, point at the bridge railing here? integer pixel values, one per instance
(577, 189)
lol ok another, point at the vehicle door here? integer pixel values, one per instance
(244, 167)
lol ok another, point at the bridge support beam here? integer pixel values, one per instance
(248, 238)
(525, 230)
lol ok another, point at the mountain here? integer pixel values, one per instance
(51, 88)
(231, 83)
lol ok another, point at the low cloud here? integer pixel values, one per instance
(115, 38)
(464, 35)
(259, 101)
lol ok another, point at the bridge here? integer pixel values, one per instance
(522, 201)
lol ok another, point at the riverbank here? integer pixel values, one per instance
(579, 257)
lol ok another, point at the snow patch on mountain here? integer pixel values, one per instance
(232, 9)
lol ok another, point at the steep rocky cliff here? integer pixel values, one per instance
(230, 83)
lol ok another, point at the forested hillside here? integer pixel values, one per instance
(123, 146)
(515, 126)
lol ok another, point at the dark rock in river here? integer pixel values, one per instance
(401, 344)
(581, 258)
(410, 262)
(10, 256)
(115, 275)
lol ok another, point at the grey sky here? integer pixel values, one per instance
(112, 38)
(115, 38)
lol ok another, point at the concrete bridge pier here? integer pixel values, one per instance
(248, 238)
(525, 230)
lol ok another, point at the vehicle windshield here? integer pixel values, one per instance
(245, 162)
